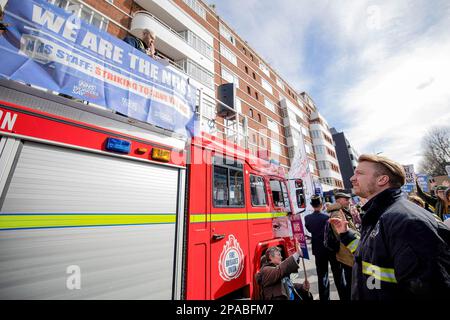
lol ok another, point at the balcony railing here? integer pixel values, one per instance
(187, 36)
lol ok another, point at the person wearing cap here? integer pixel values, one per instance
(438, 202)
(343, 254)
(351, 213)
(315, 224)
(145, 43)
(403, 252)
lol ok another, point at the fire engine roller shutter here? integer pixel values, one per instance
(119, 260)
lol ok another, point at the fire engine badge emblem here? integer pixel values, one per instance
(231, 261)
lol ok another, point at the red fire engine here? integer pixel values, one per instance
(97, 206)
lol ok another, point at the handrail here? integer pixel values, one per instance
(172, 30)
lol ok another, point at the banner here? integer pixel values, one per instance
(299, 234)
(422, 181)
(51, 48)
(408, 187)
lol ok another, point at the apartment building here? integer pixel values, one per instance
(274, 119)
(329, 173)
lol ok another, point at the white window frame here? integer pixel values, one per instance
(226, 33)
(264, 68)
(197, 7)
(266, 85)
(280, 83)
(269, 104)
(228, 54)
(275, 147)
(77, 7)
(272, 125)
(229, 76)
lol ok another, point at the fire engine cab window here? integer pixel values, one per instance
(228, 183)
(279, 194)
(258, 191)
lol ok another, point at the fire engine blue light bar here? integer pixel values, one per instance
(118, 145)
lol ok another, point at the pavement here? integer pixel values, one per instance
(312, 276)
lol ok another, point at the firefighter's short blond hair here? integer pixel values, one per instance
(388, 167)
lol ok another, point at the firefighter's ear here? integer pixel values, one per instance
(383, 180)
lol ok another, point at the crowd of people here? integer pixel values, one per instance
(391, 246)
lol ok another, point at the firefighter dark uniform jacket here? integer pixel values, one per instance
(403, 252)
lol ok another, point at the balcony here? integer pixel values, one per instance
(178, 45)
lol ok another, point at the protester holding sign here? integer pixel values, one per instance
(274, 281)
(438, 202)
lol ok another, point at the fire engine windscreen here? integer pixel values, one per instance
(228, 183)
(258, 191)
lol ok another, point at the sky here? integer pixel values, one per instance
(377, 70)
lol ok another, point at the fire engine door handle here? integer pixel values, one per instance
(218, 236)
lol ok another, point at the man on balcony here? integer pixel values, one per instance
(145, 44)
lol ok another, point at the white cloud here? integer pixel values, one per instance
(386, 81)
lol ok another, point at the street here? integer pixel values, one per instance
(312, 276)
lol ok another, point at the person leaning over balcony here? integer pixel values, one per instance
(145, 44)
(403, 252)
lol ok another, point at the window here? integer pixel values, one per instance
(305, 132)
(256, 95)
(230, 77)
(224, 32)
(264, 68)
(254, 75)
(280, 83)
(228, 181)
(279, 194)
(266, 85)
(269, 104)
(197, 72)
(246, 69)
(238, 105)
(316, 134)
(82, 11)
(251, 112)
(272, 125)
(259, 117)
(275, 147)
(312, 168)
(228, 54)
(257, 191)
(319, 149)
(195, 5)
(248, 90)
(307, 149)
(324, 165)
(198, 44)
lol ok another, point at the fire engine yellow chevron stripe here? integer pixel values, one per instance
(217, 217)
(383, 274)
(34, 221)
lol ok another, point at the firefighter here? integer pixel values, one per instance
(403, 252)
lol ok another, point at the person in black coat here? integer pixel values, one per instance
(403, 252)
(315, 224)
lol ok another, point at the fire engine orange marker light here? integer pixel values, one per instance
(141, 150)
(161, 155)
